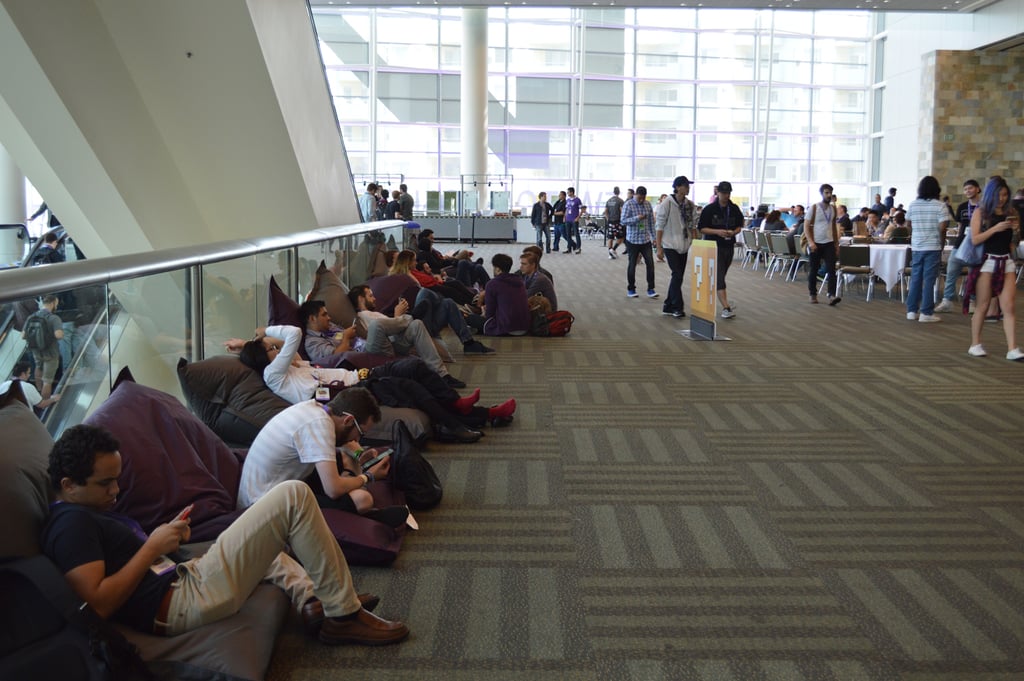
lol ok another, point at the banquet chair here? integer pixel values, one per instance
(764, 249)
(855, 262)
(749, 247)
(783, 259)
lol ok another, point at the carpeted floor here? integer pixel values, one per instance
(836, 493)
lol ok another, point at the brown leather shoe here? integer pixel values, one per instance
(365, 629)
(313, 612)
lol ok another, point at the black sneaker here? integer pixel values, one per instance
(453, 382)
(476, 347)
(392, 516)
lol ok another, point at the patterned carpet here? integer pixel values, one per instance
(834, 494)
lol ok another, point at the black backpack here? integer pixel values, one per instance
(46, 632)
(411, 473)
(37, 332)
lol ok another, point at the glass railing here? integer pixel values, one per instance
(146, 311)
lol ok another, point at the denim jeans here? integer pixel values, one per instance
(572, 235)
(953, 269)
(543, 236)
(437, 312)
(677, 265)
(559, 233)
(923, 271)
(633, 252)
(398, 336)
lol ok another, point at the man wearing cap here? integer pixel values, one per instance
(721, 221)
(638, 219)
(675, 229)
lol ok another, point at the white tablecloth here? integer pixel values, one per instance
(888, 262)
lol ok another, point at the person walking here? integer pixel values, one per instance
(638, 219)
(822, 244)
(927, 219)
(963, 215)
(720, 221)
(675, 228)
(613, 222)
(994, 225)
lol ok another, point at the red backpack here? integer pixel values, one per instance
(560, 323)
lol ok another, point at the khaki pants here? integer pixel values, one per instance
(215, 585)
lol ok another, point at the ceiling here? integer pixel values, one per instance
(881, 5)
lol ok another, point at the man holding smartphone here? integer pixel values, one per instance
(121, 574)
(312, 437)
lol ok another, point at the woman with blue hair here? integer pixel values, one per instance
(995, 225)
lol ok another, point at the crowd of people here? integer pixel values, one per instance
(317, 439)
(928, 225)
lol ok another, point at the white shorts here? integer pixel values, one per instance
(990, 265)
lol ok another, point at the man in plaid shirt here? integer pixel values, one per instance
(638, 219)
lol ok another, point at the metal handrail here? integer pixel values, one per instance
(19, 284)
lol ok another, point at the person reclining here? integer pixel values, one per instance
(302, 439)
(407, 262)
(390, 336)
(108, 564)
(405, 382)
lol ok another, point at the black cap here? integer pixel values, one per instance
(724, 186)
(680, 181)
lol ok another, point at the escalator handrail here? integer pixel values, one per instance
(19, 284)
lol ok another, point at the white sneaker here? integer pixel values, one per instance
(977, 351)
(727, 313)
(945, 306)
(912, 316)
(928, 319)
(1015, 355)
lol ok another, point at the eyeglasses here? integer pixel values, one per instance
(355, 422)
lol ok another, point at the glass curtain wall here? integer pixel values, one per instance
(776, 102)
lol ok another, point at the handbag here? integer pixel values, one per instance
(969, 253)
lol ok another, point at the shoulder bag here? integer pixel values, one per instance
(968, 252)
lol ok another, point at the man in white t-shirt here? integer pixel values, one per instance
(32, 396)
(822, 244)
(311, 436)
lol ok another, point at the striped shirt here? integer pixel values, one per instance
(924, 216)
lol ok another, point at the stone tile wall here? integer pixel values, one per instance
(972, 118)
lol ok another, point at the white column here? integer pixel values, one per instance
(12, 191)
(474, 97)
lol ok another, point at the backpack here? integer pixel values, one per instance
(539, 323)
(411, 473)
(46, 632)
(560, 323)
(37, 332)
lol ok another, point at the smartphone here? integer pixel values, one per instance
(377, 459)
